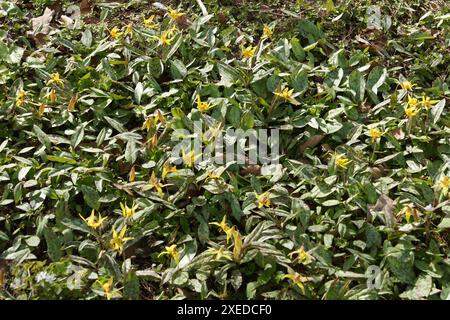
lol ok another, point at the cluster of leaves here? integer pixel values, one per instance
(92, 206)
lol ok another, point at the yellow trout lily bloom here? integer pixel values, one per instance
(406, 85)
(267, 32)
(107, 288)
(165, 38)
(341, 161)
(219, 253)
(444, 183)
(202, 106)
(297, 279)
(237, 249)
(55, 78)
(21, 97)
(248, 52)
(41, 110)
(286, 95)
(93, 221)
(412, 102)
(115, 33)
(408, 212)
(411, 111)
(156, 184)
(189, 158)
(172, 252)
(128, 212)
(149, 23)
(426, 103)
(225, 228)
(263, 199)
(51, 96)
(129, 29)
(302, 256)
(374, 133)
(175, 15)
(167, 168)
(118, 239)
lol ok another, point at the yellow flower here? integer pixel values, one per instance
(202, 106)
(411, 111)
(189, 158)
(51, 96)
(114, 33)
(174, 14)
(248, 52)
(107, 288)
(132, 174)
(41, 110)
(297, 279)
(302, 256)
(220, 253)
(171, 251)
(341, 161)
(267, 32)
(444, 183)
(118, 240)
(263, 199)
(406, 85)
(149, 23)
(374, 133)
(287, 95)
(128, 212)
(222, 225)
(412, 102)
(165, 38)
(427, 104)
(93, 221)
(237, 249)
(167, 168)
(156, 184)
(55, 78)
(129, 29)
(21, 97)
(409, 211)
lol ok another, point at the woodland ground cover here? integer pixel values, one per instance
(93, 94)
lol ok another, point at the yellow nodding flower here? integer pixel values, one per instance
(341, 161)
(165, 38)
(107, 288)
(286, 95)
(263, 199)
(267, 32)
(412, 102)
(155, 184)
(222, 224)
(302, 256)
(409, 211)
(72, 103)
(174, 14)
(167, 168)
(374, 133)
(132, 174)
(51, 96)
(55, 78)
(118, 239)
(297, 279)
(248, 52)
(202, 106)
(220, 253)
(115, 33)
(41, 110)
(160, 116)
(189, 158)
(172, 252)
(93, 221)
(128, 212)
(149, 23)
(129, 29)
(427, 103)
(444, 183)
(406, 85)
(411, 111)
(237, 248)
(21, 97)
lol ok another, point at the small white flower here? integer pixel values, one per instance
(45, 276)
(429, 208)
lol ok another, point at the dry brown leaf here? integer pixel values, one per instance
(42, 24)
(386, 205)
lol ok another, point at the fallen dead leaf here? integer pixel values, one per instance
(386, 205)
